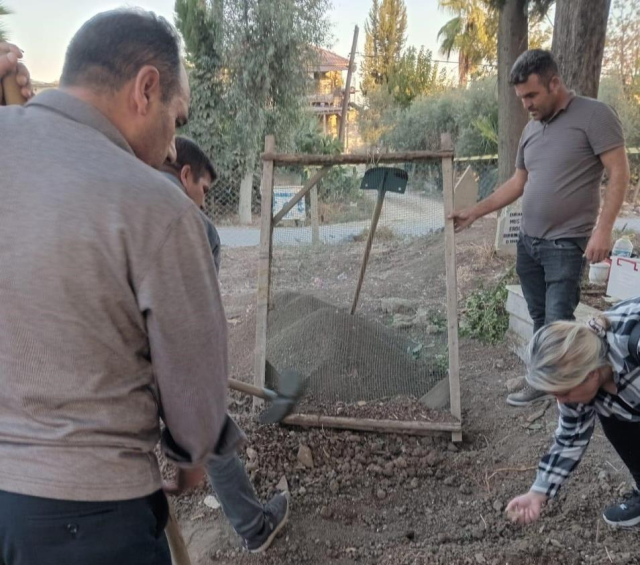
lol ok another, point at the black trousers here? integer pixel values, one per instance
(43, 531)
(625, 438)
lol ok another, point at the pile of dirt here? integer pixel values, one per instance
(346, 358)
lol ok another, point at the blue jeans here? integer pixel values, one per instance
(550, 272)
(44, 531)
(236, 495)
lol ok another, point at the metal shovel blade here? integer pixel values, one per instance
(289, 390)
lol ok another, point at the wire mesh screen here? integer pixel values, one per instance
(233, 203)
(380, 361)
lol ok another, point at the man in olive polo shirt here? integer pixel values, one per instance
(562, 154)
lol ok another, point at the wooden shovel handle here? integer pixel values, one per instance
(246, 388)
(12, 91)
(177, 545)
(367, 250)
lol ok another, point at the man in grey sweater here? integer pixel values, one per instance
(110, 308)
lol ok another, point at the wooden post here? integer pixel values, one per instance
(286, 159)
(315, 217)
(367, 250)
(244, 205)
(372, 425)
(452, 287)
(347, 88)
(264, 270)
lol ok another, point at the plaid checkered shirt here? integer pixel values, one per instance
(577, 421)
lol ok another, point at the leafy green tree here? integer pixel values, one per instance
(249, 75)
(377, 117)
(622, 48)
(613, 92)
(471, 33)
(3, 12)
(385, 38)
(467, 114)
(415, 74)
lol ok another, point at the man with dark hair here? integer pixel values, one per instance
(191, 170)
(562, 154)
(534, 62)
(195, 169)
(110, 310)
(135, 39)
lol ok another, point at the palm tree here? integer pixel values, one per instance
(3, 12)
(471, 32)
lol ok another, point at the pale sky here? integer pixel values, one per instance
(43, 28)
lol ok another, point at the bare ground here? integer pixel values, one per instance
(400, 500)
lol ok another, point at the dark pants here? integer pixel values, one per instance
(43, 531)
(550, 272)
(625, 438)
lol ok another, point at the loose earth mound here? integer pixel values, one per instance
(346, 358)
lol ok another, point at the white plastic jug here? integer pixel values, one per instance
(622, 247)
(599, 272)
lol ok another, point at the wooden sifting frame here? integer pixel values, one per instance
(272, 159)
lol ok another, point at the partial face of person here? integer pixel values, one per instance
(583, 393)
(196, 189)
(156, 120)
(539, 100)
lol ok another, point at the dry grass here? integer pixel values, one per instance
(383, 233)
(484, 252)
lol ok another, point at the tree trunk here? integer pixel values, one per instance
(246, 192)
(513, 39)
(463, 70)
(579, 33)
(512, 117)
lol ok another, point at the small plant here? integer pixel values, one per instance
(438, 320)
(441, 362)
(485, 316)
(383, 233)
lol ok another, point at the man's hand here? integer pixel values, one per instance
(463, 218)
(526, 509)
(185, 480)
(9, 63)
(599, 246)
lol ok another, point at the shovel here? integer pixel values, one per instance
(382, 179)
(282, 401)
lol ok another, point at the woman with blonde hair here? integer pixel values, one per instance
(592, 370)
